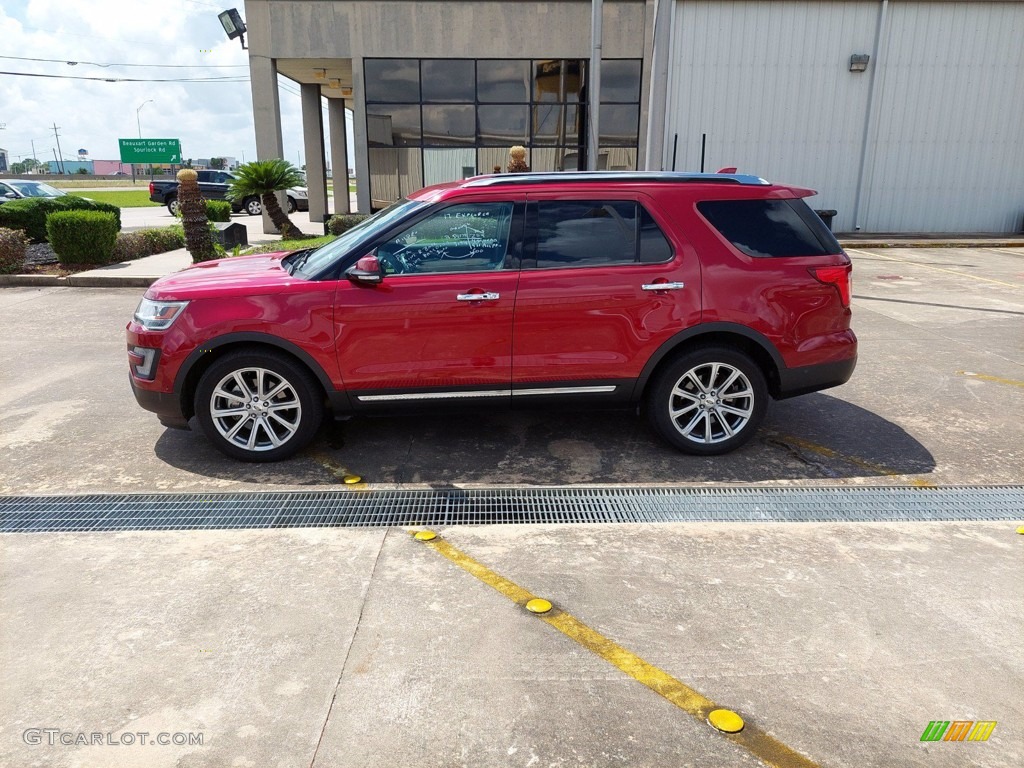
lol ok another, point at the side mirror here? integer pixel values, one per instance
(366, 271)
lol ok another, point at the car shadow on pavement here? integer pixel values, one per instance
(816, 437)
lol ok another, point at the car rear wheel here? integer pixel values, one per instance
(253, 206)
(708, 401)
(258, 406)
(172, 205)
(292, 205)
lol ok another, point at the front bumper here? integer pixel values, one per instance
(165, 405)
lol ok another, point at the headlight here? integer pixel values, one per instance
(158, 315)
(299, 192)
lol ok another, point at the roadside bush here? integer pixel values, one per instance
(163, 239)
(12, 250)
(128, 247)
(342, 223)
(30, 215)
(218, 210)
(82, 237)
(146, 242)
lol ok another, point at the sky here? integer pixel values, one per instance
(212, 119)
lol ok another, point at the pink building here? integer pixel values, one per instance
(110, 167)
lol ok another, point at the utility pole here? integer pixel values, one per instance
(34, 151)
(60, 161)
(594, 84)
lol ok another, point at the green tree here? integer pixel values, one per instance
(217, 163)
(264, 178)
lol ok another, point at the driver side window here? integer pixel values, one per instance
(472, 237)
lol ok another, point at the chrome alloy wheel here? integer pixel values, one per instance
(255, 409)
(711, 403)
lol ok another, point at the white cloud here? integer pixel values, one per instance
(211, 119)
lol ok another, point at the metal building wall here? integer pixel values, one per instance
(948, 146)
(768, 82)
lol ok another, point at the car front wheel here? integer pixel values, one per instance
(709, 401)
(253, 206)
(258, 406)
(172, 206)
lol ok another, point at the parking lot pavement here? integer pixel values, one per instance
(933, 401)
(340, 647)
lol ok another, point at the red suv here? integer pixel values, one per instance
(692, 296)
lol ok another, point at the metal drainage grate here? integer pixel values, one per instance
(362, 509)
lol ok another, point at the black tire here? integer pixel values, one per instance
(292, 205)
(690, 410)
(172, 205)
(293, 425)
(253, 206)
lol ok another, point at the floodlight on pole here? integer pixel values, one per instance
(233, 25)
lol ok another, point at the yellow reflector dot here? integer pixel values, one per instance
(1021, 529)
(351, 479)
(726, 720)
(425, 536)
(538, 605)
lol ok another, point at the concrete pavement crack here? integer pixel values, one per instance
(348, 651)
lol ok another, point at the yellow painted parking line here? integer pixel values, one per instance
(336, 469)
(831, 453)
(986, 377)
(873, 254)
(763, 746)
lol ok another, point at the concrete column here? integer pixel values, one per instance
(339, 154)
(313, 141)
(359, 134)
(266, 111)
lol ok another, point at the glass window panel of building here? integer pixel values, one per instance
(485, 106)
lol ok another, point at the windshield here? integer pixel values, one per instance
(36, 189)
(326, 255)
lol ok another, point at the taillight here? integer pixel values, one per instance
(151, 185)
(840, 277)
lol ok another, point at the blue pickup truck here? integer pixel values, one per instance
(214, 186)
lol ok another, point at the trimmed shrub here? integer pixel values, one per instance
(128, 247)
(163, 239)
(82, 237)
(12, 250)
(342, 223)
(29, 215)
(146, 242)
(218, 210)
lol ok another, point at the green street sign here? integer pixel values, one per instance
(150, 150)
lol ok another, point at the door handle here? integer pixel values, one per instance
(663, 286)
(478, 296)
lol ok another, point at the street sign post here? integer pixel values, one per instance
(150, 151)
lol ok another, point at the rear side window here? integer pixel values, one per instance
(764, 228)
(593, 233)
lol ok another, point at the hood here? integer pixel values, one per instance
(238, 276)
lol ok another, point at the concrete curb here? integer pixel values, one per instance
(76, 281)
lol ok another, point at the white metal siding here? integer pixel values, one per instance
(948, 155)
(769, 83)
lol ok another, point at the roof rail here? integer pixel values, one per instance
(585, 177)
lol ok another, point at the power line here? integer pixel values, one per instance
(113, 64)
(224, 79)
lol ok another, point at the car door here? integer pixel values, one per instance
(438, 328)
(603, 285)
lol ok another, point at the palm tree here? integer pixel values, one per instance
(264, 178)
